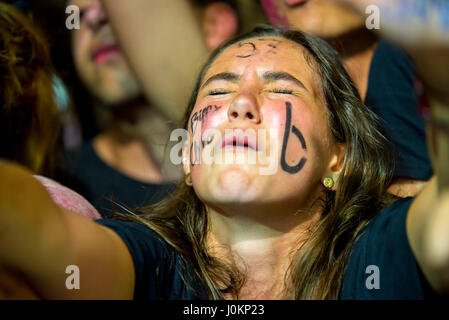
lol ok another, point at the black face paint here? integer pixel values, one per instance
(199, 117)
(298, 134)
(253, 49)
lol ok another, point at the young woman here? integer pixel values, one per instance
(321, 226)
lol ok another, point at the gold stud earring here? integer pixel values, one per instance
(328, 182)
(188, 179)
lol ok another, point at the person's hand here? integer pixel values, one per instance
(422, 28)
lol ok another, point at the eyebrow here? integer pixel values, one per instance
(267, 76)
(227, 76)
(275, 76)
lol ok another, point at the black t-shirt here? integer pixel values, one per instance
(99, 183)
(383, 251)
(383, 244)
(392, 96)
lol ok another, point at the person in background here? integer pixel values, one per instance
(308, 231)
(30, 123)
(128, 161)
(384, 75)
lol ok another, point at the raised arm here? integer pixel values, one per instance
(165, 47)
(428, 217)
(39, 240)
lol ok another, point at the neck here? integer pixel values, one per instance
(134, 143)
(261, 248)
(129, 156)
(356, 49)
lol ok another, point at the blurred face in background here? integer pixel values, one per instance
(322, 18)
(98, 59)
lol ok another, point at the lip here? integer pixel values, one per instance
(238, 141)
(105, 51)
(294, 3)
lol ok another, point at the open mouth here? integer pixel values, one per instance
(105, 52)
(237, 142)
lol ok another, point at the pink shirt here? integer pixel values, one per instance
(68, 199)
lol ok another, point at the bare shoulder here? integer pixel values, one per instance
(39, 241)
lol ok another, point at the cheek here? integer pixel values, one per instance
(80, 51)
(297, 130)
(274, 14)
(208, 115)
(204, 122)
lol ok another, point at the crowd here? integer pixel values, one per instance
(354, 120)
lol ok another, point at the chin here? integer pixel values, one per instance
(233, 184)
(323, 27)
(116, 95)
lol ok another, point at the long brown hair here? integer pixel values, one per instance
(29, 119)
(317, 268)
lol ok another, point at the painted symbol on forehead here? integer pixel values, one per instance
(287, 168)
(250, 49)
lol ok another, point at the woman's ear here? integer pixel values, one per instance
(334, 170)
(220, 23)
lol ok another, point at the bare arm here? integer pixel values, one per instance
(427, 40)
(428, 216)
(165, 47)
(38, 240)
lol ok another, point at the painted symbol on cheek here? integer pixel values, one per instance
(197, 142)
(287, 168)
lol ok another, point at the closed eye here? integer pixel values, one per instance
(216, 92)
(282, 91)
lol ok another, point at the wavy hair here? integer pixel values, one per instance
(29, 118)
(317, 268)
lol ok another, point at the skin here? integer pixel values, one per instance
(323, 18)
(52, 238)
(427, 42)
(136, 133)
(339, 25)
(131, 141)
(345, 30)
(107, 76)
(165, 72)
(240, 201)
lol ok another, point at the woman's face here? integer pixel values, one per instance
(259, 134)
(322, 18)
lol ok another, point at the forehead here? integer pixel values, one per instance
(264, 53)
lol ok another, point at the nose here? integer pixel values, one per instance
(244, 108)
(95, 16)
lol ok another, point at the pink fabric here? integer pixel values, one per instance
(68, 199)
